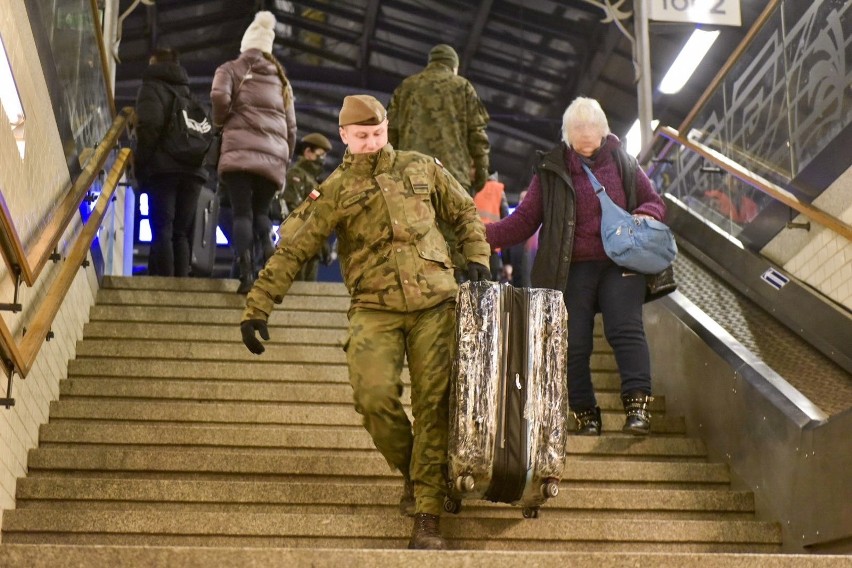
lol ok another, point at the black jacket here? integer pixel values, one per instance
(556, 239)
(153, 113)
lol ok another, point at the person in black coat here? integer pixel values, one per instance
(172, 186)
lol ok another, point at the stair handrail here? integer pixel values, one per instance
(21, 357)
(758, 182)
(31, 264)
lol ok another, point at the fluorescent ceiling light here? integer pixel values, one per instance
(633, 139)
(687, 61)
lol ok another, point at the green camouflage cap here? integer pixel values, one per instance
(317, 140)
(445, 54)
(361, 109)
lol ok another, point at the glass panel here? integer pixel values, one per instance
(783, 102)
(11, 100)
(70, 30)
(817, 39)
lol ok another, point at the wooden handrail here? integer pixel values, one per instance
(776, 192)
(32, 262)
(24, 356)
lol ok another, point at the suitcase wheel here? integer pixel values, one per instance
(550, 489)
(452, 506)
(465, 483)
(530, 512)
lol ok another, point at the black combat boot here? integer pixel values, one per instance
(246, 273)
(588, 422)
(407, 503)
(426, 534)
(638, 420)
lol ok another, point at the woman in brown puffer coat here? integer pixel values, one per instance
(253, 104)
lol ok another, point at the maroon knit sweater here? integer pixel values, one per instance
(526, 219)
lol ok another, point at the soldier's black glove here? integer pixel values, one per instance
(247, 328)
(477, 272)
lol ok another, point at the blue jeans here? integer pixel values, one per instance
(602, 286)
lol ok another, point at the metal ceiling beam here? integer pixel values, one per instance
(151, 19)
(368, 29)
(475, 34)
(323, 29)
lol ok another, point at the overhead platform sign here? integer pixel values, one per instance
(718, 12)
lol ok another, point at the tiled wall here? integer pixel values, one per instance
(30, 187)
(820, 257)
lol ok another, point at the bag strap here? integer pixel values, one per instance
(600, 191)
(596, 185)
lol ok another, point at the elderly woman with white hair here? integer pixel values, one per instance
(571, 258)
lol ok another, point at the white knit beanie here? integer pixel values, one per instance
(260, 33)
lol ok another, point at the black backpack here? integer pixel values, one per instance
(189, 132)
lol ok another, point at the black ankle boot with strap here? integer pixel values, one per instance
(588, 422)
(638, 421)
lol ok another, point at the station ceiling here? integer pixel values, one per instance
(527, 58)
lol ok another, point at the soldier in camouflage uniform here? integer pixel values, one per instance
(437, 112)
(384, 206)
(301, 181)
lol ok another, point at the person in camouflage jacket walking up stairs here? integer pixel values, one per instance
(438, 113)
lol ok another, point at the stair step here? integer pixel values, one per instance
(331, 464)
(210, 316)
(336, 392)
(209, 332)
(161, 283)
(181, 299)
(277, 437)
(146, 368)
(71, 556)
(342, 413)
(345, 530)
(259, 496)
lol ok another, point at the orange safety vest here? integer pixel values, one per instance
(488, 200)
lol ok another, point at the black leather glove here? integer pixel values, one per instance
(247, 328)
(477, 272)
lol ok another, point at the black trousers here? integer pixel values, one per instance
(618, 294)
(250, 195)
(172, 201)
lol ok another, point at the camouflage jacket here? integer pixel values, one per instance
(439, 114)
(384, 207)
(301, 180)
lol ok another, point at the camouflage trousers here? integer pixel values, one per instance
(377, 345)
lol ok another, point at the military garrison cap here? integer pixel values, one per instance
(361, 109)
(445, 54)
(318, 140)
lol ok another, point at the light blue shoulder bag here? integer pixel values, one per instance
(643, 245)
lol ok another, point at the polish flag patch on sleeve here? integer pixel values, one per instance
(314, 195)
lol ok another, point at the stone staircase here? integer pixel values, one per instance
(168, 434)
